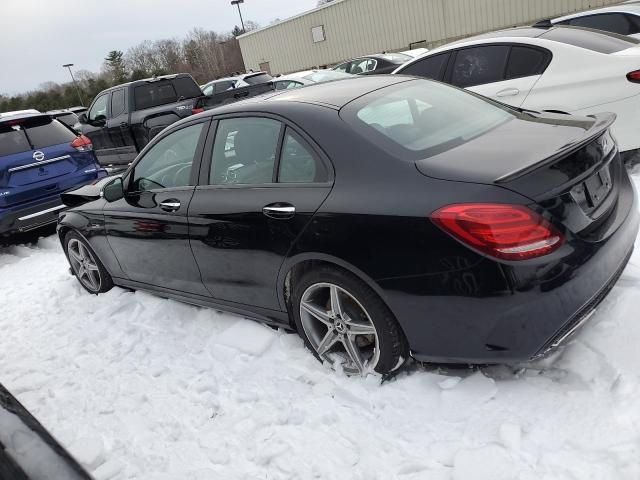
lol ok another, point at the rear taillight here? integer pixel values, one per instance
(509, 232)
(196, 110)
(82, 144)
(634, 76)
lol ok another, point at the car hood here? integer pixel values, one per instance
(528, 142)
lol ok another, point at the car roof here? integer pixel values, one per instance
(624, 8)
(547, 34)
(148, 80)
(335, 94)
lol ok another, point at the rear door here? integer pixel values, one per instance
(37, 160)
(506, 73)
(261, 181)
(119, 129)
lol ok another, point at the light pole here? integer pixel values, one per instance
(69, 65)
(237, 3)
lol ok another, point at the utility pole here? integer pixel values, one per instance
(75, 84)
(237, 3)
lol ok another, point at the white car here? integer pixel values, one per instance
(559, 69)
(621, 19)
(307, 77)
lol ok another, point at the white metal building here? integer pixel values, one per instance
(345, 29)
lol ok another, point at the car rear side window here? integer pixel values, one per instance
(430, 67)
(526, 61)
(186, 87)
(609, 22)
(117, 102)
(479, 65)
(298, 162)
(422, 118)
(244, 151)
(224, 86)
(597, 41)
(154, 94)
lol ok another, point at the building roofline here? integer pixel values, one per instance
(303, 14)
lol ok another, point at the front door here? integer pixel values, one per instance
(148, 229)
(96, 129)
(260, 187)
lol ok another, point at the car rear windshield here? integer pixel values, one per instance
(595, 40)
(69, 119)
(256, 79)
(422, 118)
(32, 134)
(162, 92)
(326, 76)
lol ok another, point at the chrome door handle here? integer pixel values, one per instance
(508, 92)
(170, 205)
(279, 211)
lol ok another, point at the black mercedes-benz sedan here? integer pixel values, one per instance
(379, 217)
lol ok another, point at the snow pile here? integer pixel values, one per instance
(139, 387)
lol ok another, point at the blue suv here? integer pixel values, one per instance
(39, 159)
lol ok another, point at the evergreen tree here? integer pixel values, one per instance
(114, 64)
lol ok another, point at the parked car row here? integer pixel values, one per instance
(517, 187)
(377, 216)
(558, 69)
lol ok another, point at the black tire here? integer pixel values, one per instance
(104, 281)
(393, 349)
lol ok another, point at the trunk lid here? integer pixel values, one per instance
(567, 165)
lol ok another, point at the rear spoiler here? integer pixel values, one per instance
(543, 24)
(602, 122)
(19, 119)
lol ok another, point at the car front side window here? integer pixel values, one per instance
(168, 163)
(99, 109)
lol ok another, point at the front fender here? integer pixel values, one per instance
(89, 223)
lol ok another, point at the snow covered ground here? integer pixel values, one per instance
(138, 387)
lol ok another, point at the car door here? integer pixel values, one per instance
(502, 72)
(148, 229)
(96, 129)
(261, 182)
(118, 127)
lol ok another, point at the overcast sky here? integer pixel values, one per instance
(38, 36)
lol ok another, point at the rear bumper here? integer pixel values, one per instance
(516, 312)
(37, 213)
(30, 216)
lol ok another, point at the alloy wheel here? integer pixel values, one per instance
(339, 328)
(84, 265)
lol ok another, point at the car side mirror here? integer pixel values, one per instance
(82, 118)
(114, 190)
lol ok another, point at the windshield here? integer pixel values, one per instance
(422, 118)
(326, 76)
